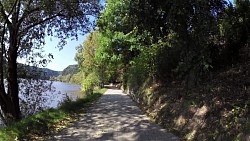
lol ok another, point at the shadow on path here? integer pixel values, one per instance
(114, 117)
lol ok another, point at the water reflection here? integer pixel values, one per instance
(62, 90)
(59, 92)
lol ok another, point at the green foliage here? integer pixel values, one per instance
(76, 78)
(91, 63)
(70, 74)
(79, 57)
(140, 69)
(116, 39)
(182, 40)
(234, 31)
(89, 83)
(69, 78)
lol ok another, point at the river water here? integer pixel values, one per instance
(61, 91)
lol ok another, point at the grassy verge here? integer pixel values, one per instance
(49, 121)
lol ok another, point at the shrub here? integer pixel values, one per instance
(89, 83)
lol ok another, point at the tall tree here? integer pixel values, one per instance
(24, 25)
(87, 63)
(118, 45)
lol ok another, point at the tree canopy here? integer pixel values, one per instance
(173, 39)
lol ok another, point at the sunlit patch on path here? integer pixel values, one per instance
(115, 117)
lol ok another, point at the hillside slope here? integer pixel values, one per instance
(25, 71)
(70, 74)
(218, 109)
(71, 69)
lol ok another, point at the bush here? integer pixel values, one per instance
(89, 83)
(138, 72)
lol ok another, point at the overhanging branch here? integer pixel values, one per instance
(27, 12)
(39, 22)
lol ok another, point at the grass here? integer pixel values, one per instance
(49, 121)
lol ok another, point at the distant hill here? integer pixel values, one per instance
(51, 73)
(25, 71)
(71, 69)
(70, 74)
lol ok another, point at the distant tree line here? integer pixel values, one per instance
(70, 74)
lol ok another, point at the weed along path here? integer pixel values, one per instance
(114, 117)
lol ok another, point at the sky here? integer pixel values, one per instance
(64, 57)
(61, 58)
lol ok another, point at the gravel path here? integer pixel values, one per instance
(114, 117)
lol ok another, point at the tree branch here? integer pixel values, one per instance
(4, 14)
(12, 9)
(40, 22)
(26, 13)
(18, 10)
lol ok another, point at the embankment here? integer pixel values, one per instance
(217, 109)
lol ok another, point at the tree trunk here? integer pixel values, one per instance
(12, 77)
(4, 99)
(13, 86)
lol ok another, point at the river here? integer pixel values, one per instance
(61, 91)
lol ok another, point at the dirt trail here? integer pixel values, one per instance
(114, 117)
